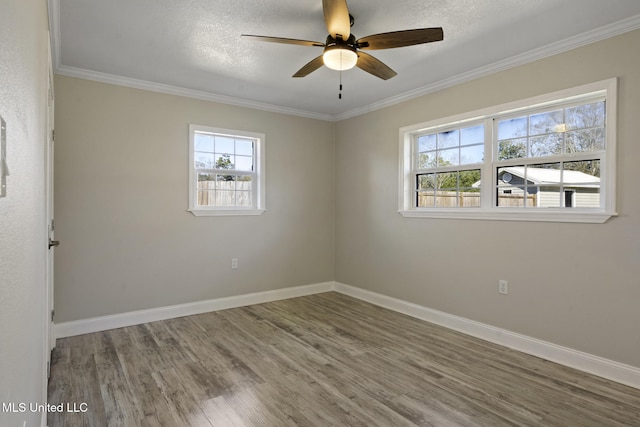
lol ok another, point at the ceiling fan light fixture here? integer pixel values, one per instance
(340, 58)
(342, 51)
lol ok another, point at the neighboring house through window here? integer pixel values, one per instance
(226, 172)
(540, 187)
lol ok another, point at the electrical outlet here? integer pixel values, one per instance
(503, 287)
(234, 263)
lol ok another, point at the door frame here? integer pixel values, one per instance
(50, 339)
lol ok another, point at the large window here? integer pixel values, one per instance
(549, 158)
(226, 172)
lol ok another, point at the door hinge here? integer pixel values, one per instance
(53, 314)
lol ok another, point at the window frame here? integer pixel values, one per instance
(258, 197)
(605, 89)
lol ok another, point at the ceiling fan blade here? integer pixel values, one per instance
(310, 67)
(336, 16)
(400, 38)
(374, 66)
(283, 40)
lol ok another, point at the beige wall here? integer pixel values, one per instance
(128, 242)
(23, 101)
(577, 285)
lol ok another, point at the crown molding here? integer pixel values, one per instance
(620, 27)
(628, 24)
(81, 73)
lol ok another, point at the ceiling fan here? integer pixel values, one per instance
(342, 51)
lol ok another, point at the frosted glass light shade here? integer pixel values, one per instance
(340, 59)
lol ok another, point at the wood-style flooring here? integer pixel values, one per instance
(320, 360)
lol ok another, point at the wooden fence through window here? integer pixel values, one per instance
(224, 193)
(453, 199)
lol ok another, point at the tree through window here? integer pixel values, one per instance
(226, 171)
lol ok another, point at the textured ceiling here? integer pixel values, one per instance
(194, 47)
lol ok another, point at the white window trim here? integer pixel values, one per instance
(406, 190)
(259, 209)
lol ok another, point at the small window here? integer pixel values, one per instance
(548, 158)
(226, 172)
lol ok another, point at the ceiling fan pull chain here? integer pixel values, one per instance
(340, 92)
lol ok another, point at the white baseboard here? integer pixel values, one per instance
(609, 369)
(103, 323)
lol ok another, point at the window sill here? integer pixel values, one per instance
(511, 215)
(226, 212)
